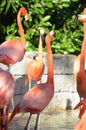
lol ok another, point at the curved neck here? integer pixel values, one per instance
(21, 30)
(40, 49)
(84, 30)
(82, 57)
(50, 62)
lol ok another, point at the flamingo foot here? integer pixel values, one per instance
(35, 128)
(25, 128)
(3, 125)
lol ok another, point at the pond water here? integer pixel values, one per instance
(60, 120)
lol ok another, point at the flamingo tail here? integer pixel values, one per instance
(15, 111)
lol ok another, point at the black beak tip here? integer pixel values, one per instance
(76, 18)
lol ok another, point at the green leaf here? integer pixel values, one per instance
(46, 18)
(47, 24)
(65, 1)
(2, 5)
(49, 4)
(74, 0)
(65, 4)
(8, 6)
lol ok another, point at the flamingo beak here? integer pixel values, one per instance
(42, 33)
(52, 33)
(81, 17)
(42, 36)
(76, 18)
(35, 57)
(26, 17)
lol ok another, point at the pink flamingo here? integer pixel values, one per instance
(7, 84)
(81, 75)
(77, 60)
(37, 98)
(12, 51)
(35, 68)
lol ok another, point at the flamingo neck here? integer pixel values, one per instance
(50, 62)
(84, 29)
(40, 44)
(82, 58)
(84, 22)
(40, 49)
(21, 30)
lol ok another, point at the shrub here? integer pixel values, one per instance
(58, 15)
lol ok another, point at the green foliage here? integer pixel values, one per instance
(58, 15)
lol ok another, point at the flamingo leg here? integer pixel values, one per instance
(26, 126)
(12, 100)
(36, 125)
(80, 101)
(6, 118)
(8, 69)
(29, 85)
(1, 119)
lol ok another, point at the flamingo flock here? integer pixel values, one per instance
(37, 98)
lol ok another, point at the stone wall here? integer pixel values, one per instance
(65, 87)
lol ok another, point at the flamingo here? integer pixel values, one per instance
(7, 84)
(38, 97)
(12, 51)
(77, 60)
(35, 68)
(81, 75)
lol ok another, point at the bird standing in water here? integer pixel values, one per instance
(81, 75)
(7, 84)
(12, 51)
(38, 97)
(35, 68)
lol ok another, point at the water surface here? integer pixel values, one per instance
(60, 120)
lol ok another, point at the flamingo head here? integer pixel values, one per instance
(82, 17)
(49, 37)
(41, 32)
(23, 12)
(52, 33)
